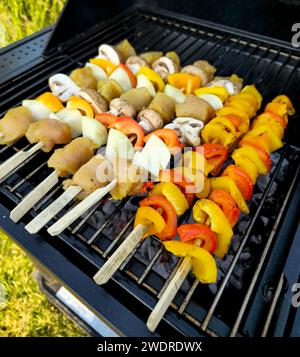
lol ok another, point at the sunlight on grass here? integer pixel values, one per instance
(24, 311)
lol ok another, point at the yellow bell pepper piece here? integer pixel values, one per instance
(203, 263)
(240, 104)
(51, 101)
(149, 217)
(218, 223)
(249, 97)
(285, 100)
(253, 90)
(250, 153)
(273, 142)
(196, 161)
(247, 165)
(184, 81)
(219, 130)
(233, 111)
(227, 184)
(82, 105)
(220, 92)
(173, 195)
(103, 63)
(153, 77)
(265, 120)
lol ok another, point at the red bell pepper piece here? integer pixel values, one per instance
(242, 180)
(147, 187)
(129, 127)
(106, 119)
(168, 213)
(168, 136)
(215, 154)
(130, 74)
(227, 204)
(191, 232)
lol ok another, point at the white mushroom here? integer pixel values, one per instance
(63, 86)
(97, 102)
(110, 53)
(164, 66)
(226, 83)
(188, 130)
(196, 71)
(149, 120)
(119, 106)
(134, 63)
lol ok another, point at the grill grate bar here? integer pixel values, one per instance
(46, 198)
(242, 244)
(273, 306)
(263, 257)
(188, 297)
(150, 265)
(83, 220)
(118, 237)
(23, 180)
(170, 277)
(108, 220)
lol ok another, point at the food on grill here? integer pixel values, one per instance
(51, 101)
(87, 177)
(82, 105)
(217, 213)
(110, 54)
(63, 87)
(118, 146)
(165, 66)
(194, 107)
(97, 71)
(120, 106)
(126, 49)
(124, 77)
(174, 93)
(50, 132)
(106, 66)
(169, 137)
(70, 158)
(84, 78)
(233, 84)
(201, 69)
(14, 124)
(38, 109)
(153, 77)
(94, 130)
(109, 89)
(97, 102)
(160, 111)
(144, 82)
(220, 92)
(150, 57)
(187, 129)
(185, 81)
(134, 63)
(139, 98)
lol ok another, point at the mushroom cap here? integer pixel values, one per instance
(63, 86)
(120, 106)
(95, 99)
(134, 63)
(149, 120)
(196, 71)
(209, 69)
(164, 66)
(110, 53)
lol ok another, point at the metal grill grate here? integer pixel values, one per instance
(220, 309)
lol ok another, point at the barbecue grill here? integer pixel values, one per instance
(254, 290)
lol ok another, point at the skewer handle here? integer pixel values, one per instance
(119, 256)
(164, 302)
(81, 208)
(47, 214)
(34, 196)
(17, 159)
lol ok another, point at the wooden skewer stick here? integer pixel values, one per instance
(120, 255)
(34, 196)
(167, 297)
(81, 208)
(164, 302)
(14, 161)
(47, 214)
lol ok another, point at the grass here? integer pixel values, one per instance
(25, 311)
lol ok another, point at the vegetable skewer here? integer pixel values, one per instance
(232, 171)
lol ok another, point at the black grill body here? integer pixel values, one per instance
(254, 290)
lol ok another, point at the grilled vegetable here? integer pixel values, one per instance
(126, 49)
(219, 130)
(216, 155)
(109, 89)
(82, 105)
(118, 146)
(84, 78)
(150, 57)
(241, 179)
(51, 101)
(96, 101)
(192, 233)
(169, 137)
(37, 109)
(164, 66)
(150, 217)
(187, 82)
(227, 204)
(164, 106)
(139, 98)
(94, 130)
(153, 77)
(72, 117)
(194, 107)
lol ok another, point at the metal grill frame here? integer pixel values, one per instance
(68, 247)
